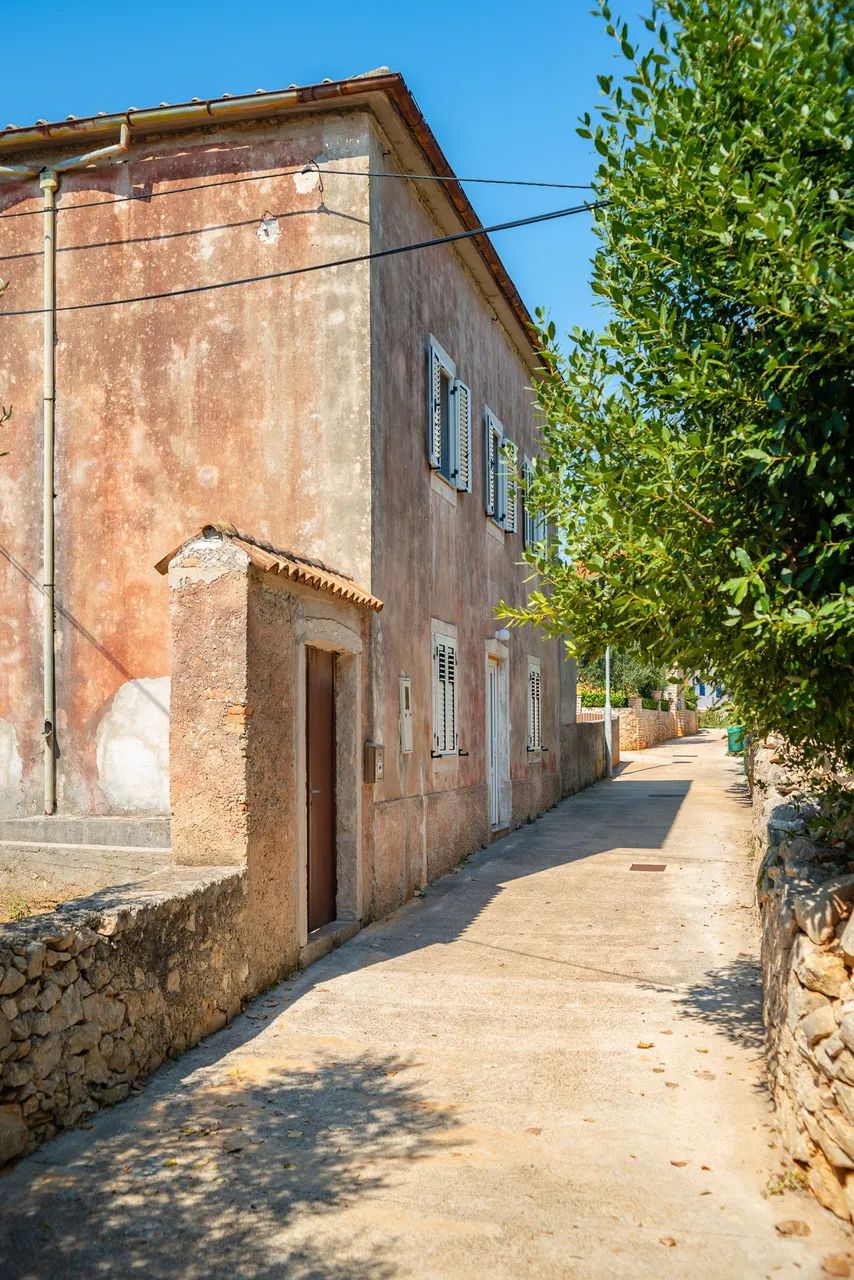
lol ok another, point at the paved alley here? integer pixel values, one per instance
(549, 1066)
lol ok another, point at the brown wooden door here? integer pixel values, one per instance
(320, 755)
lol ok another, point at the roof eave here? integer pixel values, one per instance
(261, 106)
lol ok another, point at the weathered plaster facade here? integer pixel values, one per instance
(295, 408)
(251, 404)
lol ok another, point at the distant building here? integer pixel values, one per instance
(710, 693)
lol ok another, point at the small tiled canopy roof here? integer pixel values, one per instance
(311, 573)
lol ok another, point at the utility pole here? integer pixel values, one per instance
(609, 769)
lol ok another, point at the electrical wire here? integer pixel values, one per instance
(318, 266)
(287, 173)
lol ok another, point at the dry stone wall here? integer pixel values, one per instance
(807, 909)
(641, 728)
(95, 995)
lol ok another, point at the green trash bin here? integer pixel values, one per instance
(735, 740)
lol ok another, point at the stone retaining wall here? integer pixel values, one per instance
(582, 753)
(808, 976)
(640, 728)
(95, 995)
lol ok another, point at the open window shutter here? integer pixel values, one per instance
(435, 421)
(440, 659)
(534, 720)
(511, 454)
(451, 700)
(445, 712)
(463, 415)
(531, 713)
(527, 514)
(491, 455)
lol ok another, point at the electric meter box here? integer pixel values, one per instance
(374, 762)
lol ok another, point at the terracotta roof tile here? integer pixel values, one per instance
(310, 573)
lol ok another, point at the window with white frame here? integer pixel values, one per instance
(535, 526)
(449, 420)
(535, 730)
(444, 696)
(501, 499)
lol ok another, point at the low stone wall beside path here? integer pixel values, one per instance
(807, 909)
(641, 728)
(96, 994)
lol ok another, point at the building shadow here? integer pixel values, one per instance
(231, 1164)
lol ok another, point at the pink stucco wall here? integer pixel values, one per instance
(248, 404)
(432, 559)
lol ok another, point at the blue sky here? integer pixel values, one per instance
(500, 83)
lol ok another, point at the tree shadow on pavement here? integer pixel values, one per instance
(728, 1000)
(228, 1173)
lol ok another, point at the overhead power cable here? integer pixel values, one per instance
(318, 266)
(288, 173)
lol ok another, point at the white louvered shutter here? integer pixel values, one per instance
(491, 448)
(435, 419)
(535, 738)
(463, 415)
(511, 492)
(492, 466)
(445, 712)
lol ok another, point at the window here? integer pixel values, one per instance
(534, 524)
(444, 696)
(501, 457)
(535, 735)
(450, 420)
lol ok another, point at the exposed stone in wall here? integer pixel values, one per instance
(94, 996)
(807, 963)
(641, 728)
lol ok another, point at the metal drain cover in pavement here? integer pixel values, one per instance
(647, 866)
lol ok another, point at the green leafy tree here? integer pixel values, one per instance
(697, 454)
(629, 672)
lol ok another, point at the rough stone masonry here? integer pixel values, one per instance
(808, 971)
(94, 996)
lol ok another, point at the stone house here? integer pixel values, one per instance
(315, 458)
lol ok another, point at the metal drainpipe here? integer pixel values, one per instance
(49, 183)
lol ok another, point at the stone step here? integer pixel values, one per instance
(110, 830)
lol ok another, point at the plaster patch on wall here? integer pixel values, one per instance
(11, 770)
(208, 477)
(306, 181)
(133, 747)
(268, 230)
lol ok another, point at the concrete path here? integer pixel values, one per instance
(548, 1067)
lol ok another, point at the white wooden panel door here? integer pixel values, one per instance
(493, 714)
